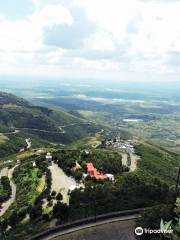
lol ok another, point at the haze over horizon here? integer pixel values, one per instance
(121, 40)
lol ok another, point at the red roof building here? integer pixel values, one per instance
(92, 172)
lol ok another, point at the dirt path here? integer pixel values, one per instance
(61, 182)
(134, 159)
(7, 204)
(124, 159)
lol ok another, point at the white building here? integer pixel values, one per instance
(18, 161)
(34, 164)
(110, 176)
(49, 157)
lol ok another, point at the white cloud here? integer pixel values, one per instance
(113, 16)
(104, 36)
(155, 26)
(100, 41)
(27, 34)
(50, 15)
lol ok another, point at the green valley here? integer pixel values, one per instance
(46, 153)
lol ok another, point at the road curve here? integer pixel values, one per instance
(10, 133)
(87, 223)
(90, 225)
(8, 203)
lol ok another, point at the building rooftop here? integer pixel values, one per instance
(94, 173)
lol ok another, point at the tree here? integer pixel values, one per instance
(59, 197)
(36, 212)
(61, 211)
(53, 194)
(151, 219)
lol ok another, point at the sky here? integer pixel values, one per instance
(106, 39)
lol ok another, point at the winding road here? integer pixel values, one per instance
(10, 133)
(39, 130)
(9, 173)
(70, 231)
(90, 225)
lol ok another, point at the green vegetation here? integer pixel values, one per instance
(151, 185)
(47, 124)
(158, 162)
(151, 220)
(15, 142)
(86, 143)
(3, 139)
(104, 161)
(132, 190)
(13, 145)
(27, 180)
(7, 98)
(5, 189)
(164, 217)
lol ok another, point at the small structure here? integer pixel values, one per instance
(92, 172)
(110, 176)
(22, 150)
(49, 157)
(77, 167)
(85, 175)
(18, 161)
(40, 151)
(73, 187)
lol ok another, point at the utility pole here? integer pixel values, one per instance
(177, 181)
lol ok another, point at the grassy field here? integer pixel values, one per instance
(88, 142)
(3, 139)
(158, 122)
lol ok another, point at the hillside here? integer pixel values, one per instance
(158, 162)
(16, 114)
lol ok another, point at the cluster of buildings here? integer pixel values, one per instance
(123, 145)
(91, 172)
(48, 159)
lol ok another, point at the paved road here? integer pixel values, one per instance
(39, 130)
(123, 230)
(8, 203)
(70, 232)
(10, 133)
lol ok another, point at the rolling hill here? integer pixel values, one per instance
(16, 114)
